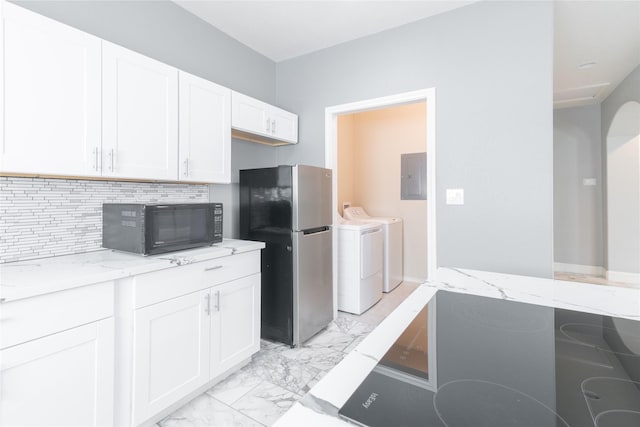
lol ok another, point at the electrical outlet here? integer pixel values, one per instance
(455, 196)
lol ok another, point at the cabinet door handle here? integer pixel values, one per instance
(111, 160)
(217, 306)
(215, 267)
(207, 304)
(95, 159)
(268, 125)
(273, 126)
(186, 167)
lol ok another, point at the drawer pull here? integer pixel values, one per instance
(216, 267)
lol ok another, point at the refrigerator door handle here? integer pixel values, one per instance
(315, 230)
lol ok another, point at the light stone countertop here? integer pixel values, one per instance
(26, 279)
(320, 406)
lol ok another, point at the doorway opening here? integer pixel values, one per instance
(378, 158)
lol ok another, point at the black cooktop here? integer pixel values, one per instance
(469, 361)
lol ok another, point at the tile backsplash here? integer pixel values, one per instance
(41, 217)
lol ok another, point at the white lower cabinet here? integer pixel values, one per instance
(235, 332)
(178, 344)
(61, 379)
(171, 351)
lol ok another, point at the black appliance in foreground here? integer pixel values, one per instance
(150, 229)
(475, 361)
(289, 209)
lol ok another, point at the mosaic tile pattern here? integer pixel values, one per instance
(41, 217)
(278, 375)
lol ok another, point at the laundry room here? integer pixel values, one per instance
(381, 173)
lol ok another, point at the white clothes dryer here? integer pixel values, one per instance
(393, 273)
(360, 265)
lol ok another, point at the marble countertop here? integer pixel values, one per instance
(320, 406)
(26, 279)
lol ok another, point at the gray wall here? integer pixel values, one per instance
(577, 209)
(491, 65)
(628, 90)
(164, 31)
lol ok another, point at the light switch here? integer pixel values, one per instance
(589, 182)
(455, 196)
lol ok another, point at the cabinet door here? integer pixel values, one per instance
(171, 352)
(50, 84)
(235, 332)
(284, 125)
(140, 116)
(205, 131)
(62, 379)
(250, 115)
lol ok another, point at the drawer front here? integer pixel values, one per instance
(162, 285)
(30, 318)
(229, 268)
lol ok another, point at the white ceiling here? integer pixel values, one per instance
(605, 32)
(285, 29)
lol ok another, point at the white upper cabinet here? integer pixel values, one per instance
(50, 83)
(258, 121)
(139, 116)
(205, 131)
(284, 125)
(250, 115)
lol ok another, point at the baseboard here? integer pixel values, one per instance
(623, 277)
(591, 270)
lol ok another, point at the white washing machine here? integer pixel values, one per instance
(393, 253)
(360, 265)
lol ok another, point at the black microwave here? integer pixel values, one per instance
(150, 229)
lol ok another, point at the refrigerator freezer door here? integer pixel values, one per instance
(312, 284)
(311, 197)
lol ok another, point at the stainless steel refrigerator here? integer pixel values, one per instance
(289, 209)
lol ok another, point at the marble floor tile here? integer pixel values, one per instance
(343, 323)
(321, 358)
(348, 349)
(272, 346)
(333, 339)
(282, 371)
(266, 403)
(234, 386)
(205, 411)
(313, 382)
(359, 329)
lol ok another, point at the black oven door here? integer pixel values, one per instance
(176, 227)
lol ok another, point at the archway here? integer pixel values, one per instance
(623, 195)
